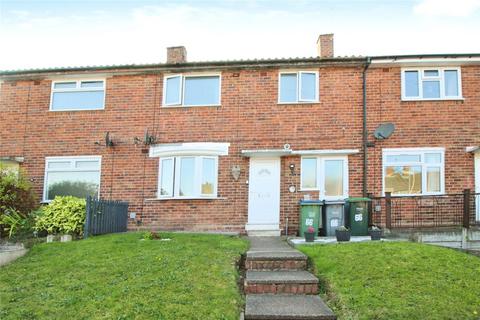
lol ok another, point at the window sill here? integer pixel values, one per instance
(417, 195)
(188, 107)
(186, 198)
(434, 99)
(298, 103)
(77, 110)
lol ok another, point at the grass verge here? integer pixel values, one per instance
(397, 280)
(120, 276)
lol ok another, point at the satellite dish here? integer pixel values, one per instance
(108, 140)
(384, 131)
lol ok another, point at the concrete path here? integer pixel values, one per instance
(277, 285)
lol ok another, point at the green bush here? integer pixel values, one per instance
(65, 215)
(17, 201)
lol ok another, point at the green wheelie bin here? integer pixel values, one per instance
(310, 215)
(358, 216)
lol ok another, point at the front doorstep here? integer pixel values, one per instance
(263, 230)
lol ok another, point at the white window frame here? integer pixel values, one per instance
(73, 160)
(78, 88)
(422, 163)
(197, 179)
(440, 77)
(182, 90)
(321, 176)
(299, 84)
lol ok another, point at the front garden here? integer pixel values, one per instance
(401, 280)
(124, 276)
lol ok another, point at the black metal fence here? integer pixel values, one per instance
(105, 216)
(430, 211)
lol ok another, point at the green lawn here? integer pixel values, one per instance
(119, 276)
(400, 280)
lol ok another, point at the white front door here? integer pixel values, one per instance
(477, 185)
(264, 195)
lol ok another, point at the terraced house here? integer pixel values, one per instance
(235, 145)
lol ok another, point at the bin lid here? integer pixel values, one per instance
(311, 202)
(335, 202)
(360, 199)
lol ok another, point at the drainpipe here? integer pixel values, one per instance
(365, 132)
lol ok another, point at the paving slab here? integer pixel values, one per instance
(280, 277)
(282, 307)
(270, 244)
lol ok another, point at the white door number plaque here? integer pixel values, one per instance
(334, 223)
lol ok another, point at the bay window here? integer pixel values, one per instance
(328, 175)
(188, 177)
(414, 171)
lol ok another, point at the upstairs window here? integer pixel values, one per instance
(298, 87)
(191, 91)
(328, 175)
(78, 95)
(413, 171)
(431, 84)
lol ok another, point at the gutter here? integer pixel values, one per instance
(364, 129)
(181, 67)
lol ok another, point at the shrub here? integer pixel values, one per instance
(150, 235)
(17, 201)
(63, 215)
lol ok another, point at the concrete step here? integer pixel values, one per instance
(275, 260)
(286, 307)
(276, 282)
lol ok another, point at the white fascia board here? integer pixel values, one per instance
(190, 149)
(326, 152)
(427, 62)
(266, 153)
(472, 149)
(414, 149)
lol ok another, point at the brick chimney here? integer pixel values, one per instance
(325, 45)
(176, 55)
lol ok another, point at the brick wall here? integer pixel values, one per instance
(249, 118)
(453, 125)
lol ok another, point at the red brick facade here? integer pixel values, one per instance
(249, 118)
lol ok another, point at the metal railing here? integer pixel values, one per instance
(429, 211)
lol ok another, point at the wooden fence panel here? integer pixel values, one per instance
(105, 216)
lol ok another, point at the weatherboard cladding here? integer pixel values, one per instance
(249, 118)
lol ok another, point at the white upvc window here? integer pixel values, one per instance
(71, 176)
(188, 177)
(431, 84)
(78, 95)
(414, 171)
(328, 175)
(192, 90)
(298, 87)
